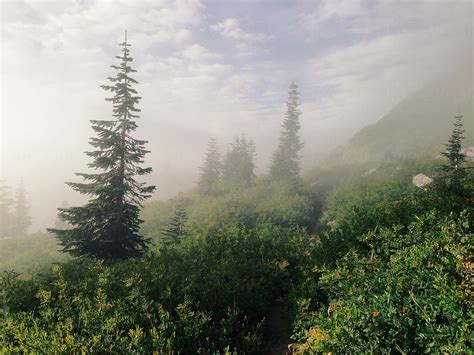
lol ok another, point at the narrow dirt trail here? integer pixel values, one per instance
(277, 329)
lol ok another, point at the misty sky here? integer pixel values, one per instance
(209, 69)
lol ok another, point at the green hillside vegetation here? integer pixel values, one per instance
(392, 274)
(31, 253)
(356, 258)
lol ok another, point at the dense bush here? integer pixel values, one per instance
(208, 293)
(407, 292)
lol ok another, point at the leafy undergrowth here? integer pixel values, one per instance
(389, 271)
(404, 292)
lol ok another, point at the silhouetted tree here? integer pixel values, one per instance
(22, 218)
(107, 227)
(6, 206)
(285, 163)
(176, 228)
(239, 162)
(211, 170)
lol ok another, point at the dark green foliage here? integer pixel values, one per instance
(22, 219)
(107, 226)
(453, 150)
(239, 165)
(6, 210)
(405, 292)
(176, 228)
(211, 170)
(285, 160)
(195, 297)
(58, 223)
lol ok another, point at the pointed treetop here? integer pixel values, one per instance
(459, 112)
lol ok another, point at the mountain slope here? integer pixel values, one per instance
(418, 126)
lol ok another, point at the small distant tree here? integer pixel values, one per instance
(6, 210)
(455, 186)
(285, 163)
(176, 228)
(239, 162)
(107, 227)
(211, 170)
(453, 153)
(22, 218)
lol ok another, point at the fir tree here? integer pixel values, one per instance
(285, 160)
(210, 170)
(6, 206)
(176, 229)
(107, 227)
(239, 162)
(455, 158)
(22, 219)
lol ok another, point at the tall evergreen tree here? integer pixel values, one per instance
(6, 210)
(22, 218)
(285, 163)
(176, 229)
(107, 227)
(239, 162)
(211, 170)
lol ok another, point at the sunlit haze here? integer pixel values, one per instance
(209, 69)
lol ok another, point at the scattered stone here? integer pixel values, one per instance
(370, 172)
(421, 180)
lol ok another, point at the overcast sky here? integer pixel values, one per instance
(209, 69)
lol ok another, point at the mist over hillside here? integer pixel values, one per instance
(416, 127)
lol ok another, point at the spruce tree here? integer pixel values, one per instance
(107, 226)
(6, 213)
(22, 219)
(285, 163)
(239, 163)
(455, 158)
(176, 228)
(211, 170)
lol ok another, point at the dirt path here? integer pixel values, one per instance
(277, 329)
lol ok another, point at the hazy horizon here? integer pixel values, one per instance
(208, 69)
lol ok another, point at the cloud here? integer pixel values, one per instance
(230, 28)
(245, 41)
(366, 79)
(198, 53)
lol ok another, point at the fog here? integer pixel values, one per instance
(208, 69)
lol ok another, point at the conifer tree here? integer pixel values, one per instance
(6, 205)
(239, 163)
(455, 158)
(107, 227)
(211, 170)
(22, 219)
(285, 163)
(176, 229)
